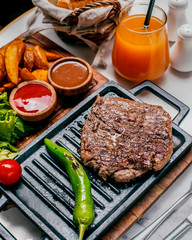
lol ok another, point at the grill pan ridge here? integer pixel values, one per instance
(44, 193)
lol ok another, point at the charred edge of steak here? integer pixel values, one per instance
(124, 139)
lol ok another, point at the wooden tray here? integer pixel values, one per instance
(64, 104)
(63, 107)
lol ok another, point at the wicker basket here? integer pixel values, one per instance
(67, 21)
(93, 24)
(97, 37)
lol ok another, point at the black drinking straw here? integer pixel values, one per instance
(149, 12)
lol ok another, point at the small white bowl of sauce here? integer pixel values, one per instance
(70, 76)
(33, 100)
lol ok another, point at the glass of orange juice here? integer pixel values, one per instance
(141, 53)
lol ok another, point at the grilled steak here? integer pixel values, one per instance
(124, 139)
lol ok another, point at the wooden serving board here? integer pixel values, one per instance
(63, 107)
(63, 104)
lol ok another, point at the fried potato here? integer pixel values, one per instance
(21, 49)
(12, 63)
(40, 74)
(40, 58)
(3, 49)
(2, 67)
(2, 89)
(15, 41)
(52, 56)
(9, 85)
(22, 63)
(29, 59)
(26, 75)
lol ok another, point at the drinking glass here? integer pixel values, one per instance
(141, 53)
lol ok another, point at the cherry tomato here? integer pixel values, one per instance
(10, 171)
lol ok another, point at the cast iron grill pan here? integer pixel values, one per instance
(44, 193)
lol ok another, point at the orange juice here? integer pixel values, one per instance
(140, 53)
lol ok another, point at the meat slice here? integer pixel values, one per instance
(123, 139)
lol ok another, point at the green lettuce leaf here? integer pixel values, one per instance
(7, 150)
(7, 125)
(6, 145)
(12, 127)
(20, 129)
(4, 104)
(6, 154)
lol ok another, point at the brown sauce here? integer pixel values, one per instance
(69, 73)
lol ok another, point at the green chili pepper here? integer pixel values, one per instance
(83, 213)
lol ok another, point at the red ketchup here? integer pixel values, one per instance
(32, 98)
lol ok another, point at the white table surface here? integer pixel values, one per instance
(176, 83)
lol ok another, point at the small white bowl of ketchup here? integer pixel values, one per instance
(33, 100)
(70, 75)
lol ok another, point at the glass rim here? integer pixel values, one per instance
(145, 4)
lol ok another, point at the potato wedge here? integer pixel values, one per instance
(29, 60)
(9, 85)
(2, 67)
(3, 49)
(2, 89)
(51, 56)
(12, 63)
(40, 74)
(21, 49)
(15, 41)
(26, 75)
(40, 58)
